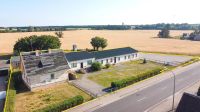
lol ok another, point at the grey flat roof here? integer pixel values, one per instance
(75, 56)
(113, 52)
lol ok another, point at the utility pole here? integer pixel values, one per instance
(174, 88)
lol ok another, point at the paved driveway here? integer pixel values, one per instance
(162, 58)
(89, 86)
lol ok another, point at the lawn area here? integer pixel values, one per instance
(29, 101)
(123, 70)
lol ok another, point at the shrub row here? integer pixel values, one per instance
(11, 92)
(131, 80)
(10, 101)
(66, 104)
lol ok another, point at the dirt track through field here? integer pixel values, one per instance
(139, 39)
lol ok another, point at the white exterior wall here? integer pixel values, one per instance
(133, 56)
(85, 64)
(46, 79)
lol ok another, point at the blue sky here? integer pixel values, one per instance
(97, 12)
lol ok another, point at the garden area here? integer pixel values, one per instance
(123, 71)
(29, 101)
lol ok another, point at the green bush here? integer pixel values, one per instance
(144, 61)
(10, 101)
(107, 65)
(66, 104)
(11, 93)
(198, 93)
(131, 80)
(96, 66)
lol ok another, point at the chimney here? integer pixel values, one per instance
(74, 47)
(50, 51)
(37, 52)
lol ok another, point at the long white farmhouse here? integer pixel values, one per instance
(45, 67)
(84, 59)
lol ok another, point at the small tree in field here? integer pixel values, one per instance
(98, 42)
(96, 66)
(164, 33)
(59, 34)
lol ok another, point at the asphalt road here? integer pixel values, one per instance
(142, 100)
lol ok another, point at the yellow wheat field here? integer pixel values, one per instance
(139, 39)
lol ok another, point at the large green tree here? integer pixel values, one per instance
(34, 42)
(98, 42)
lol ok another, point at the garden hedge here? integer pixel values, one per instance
(131, 80)
(11, 92)
(66, 104)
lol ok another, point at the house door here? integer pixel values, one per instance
(115, 60)
(81, 65)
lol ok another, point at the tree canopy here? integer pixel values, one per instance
(98, 42)
(164, 33)
(34, 42)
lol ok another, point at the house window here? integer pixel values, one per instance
(106, 60)
(52, 76)
(101, 61)
(118, 58)
(135, 55)
(74, 65)
(129, 56)
(111, 60)
(125, 57)
(89, 62)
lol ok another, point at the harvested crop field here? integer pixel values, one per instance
(139, 39)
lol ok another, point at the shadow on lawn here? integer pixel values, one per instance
(19, 84)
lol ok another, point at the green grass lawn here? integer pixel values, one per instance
(30, 101)
(121, 71)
